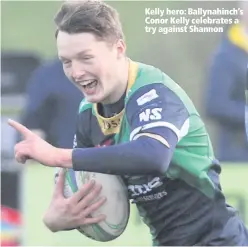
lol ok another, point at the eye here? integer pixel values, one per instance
(66, 61)
(88, 57)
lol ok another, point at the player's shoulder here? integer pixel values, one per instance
(153, 86)
(84, 106)
(146, 75)
(149, 82)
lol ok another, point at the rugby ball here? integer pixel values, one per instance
(116, 208)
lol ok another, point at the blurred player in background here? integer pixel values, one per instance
(246, 101)
(52, 105)
(225, 93)
(150, 133)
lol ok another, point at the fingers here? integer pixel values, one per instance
(20, 158)
(21, 152)
(20, 128)
(87, 199)
(83, 191)
(93, 207)
(59, 186)
(94, 220)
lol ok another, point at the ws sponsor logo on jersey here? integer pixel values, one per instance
(152, 190)
(150, 114)
(147, 97)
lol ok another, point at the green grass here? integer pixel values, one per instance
(38, 190)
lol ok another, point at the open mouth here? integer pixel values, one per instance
(90, 87)
(87, 84)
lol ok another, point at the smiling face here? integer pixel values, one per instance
(93, 65)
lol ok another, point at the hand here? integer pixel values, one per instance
(70, 213)
(33, 147)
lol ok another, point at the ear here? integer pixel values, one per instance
(121, 48)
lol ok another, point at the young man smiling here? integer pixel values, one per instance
(147, 130)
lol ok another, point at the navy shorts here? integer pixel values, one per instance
(234, 233)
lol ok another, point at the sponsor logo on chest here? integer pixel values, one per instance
(148, 191)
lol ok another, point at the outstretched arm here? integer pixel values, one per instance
(155, 126)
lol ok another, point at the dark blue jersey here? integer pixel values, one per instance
(180, 200)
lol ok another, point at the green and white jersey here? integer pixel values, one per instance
(185, 205)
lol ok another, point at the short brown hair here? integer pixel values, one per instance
(91, 16)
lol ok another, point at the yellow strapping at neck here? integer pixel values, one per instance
(132, 74)
(112, 125)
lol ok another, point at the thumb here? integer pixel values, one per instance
(59, 186)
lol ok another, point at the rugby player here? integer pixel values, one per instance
(147, 130)
(246, 103)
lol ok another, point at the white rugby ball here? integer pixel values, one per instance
(116, 208)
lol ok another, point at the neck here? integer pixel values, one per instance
(122, 83)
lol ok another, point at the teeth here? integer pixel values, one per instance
(86, 82)
(91, 85)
